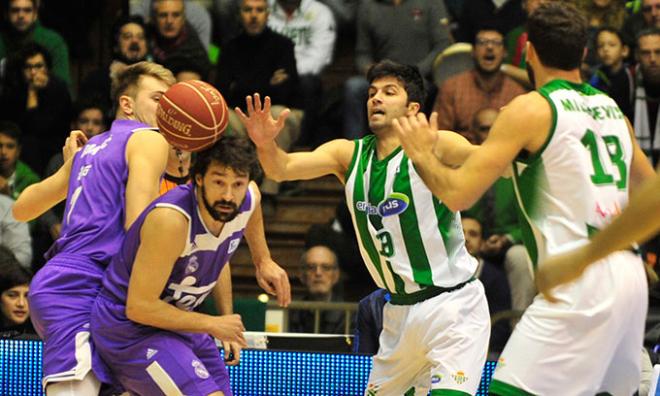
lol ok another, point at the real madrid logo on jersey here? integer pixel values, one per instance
(192, 265)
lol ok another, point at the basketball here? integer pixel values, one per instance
(192, 115)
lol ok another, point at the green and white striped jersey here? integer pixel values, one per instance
(407, 237)
(579, 179)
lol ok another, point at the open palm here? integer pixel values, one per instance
(259, 123)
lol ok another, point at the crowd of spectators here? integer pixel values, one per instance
(283, 49)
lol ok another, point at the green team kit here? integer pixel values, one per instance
(572, 187)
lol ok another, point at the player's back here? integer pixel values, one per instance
(579, 179)
(93, 223)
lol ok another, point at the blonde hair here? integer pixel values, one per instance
(125, 80)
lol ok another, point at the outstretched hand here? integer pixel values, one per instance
(274, 280)
(558, 270)
(417, 135)
(259, 123)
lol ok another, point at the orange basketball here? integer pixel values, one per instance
(192, 115)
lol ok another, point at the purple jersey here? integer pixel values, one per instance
(196, 271)
(93, 224)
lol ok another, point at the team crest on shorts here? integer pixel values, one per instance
(460, 377)
(200, 370)
(372, 390)
(436, 378)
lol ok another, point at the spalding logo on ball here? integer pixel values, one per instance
(192, 115)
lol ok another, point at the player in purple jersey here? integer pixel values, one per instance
(107, 184)
(176, 254)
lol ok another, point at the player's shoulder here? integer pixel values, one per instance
(166, 219)
(147, 142)
(531, 106)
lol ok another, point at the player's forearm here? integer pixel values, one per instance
(273, 160)
(637, 223)
(455, 149)
(222, 292)
(442, 181)
(255, 236)
(38, 198)
(165, 316)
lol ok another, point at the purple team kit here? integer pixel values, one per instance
(148, 360)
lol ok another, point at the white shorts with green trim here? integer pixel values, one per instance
(439, 344)
(588, 343)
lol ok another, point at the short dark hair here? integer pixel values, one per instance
(652, 31)
(408, 75)
(11, 272)
(32, 49)
(86, 104)
(123, 21)
(233, 151)
(614, 31)
(487, 27)
(558, 31)
(11, 129)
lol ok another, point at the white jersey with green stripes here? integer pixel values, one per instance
(578, 180)
(408, 238)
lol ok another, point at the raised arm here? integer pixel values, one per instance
(460, 188)
(163, 237)
(146, 154)
(330, 158)
(270, 276)
(638, 222)
(38, 198)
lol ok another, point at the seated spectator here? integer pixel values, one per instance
(129, 45)
(647, 94)
(15, 175)
(369, 322)
(421, 33)
(613, 76)
(637, 22)
(461, 96)
(275, 75)
(198, 17)
(503, 15)
(340, 235)
(494, 281)
(311, 27)
(601, 14)
(481, 123)
(24, 28)
(14, 306)
(89, 117)
(320, 275)
(14, 235)
(38, 102)
(174, 37)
